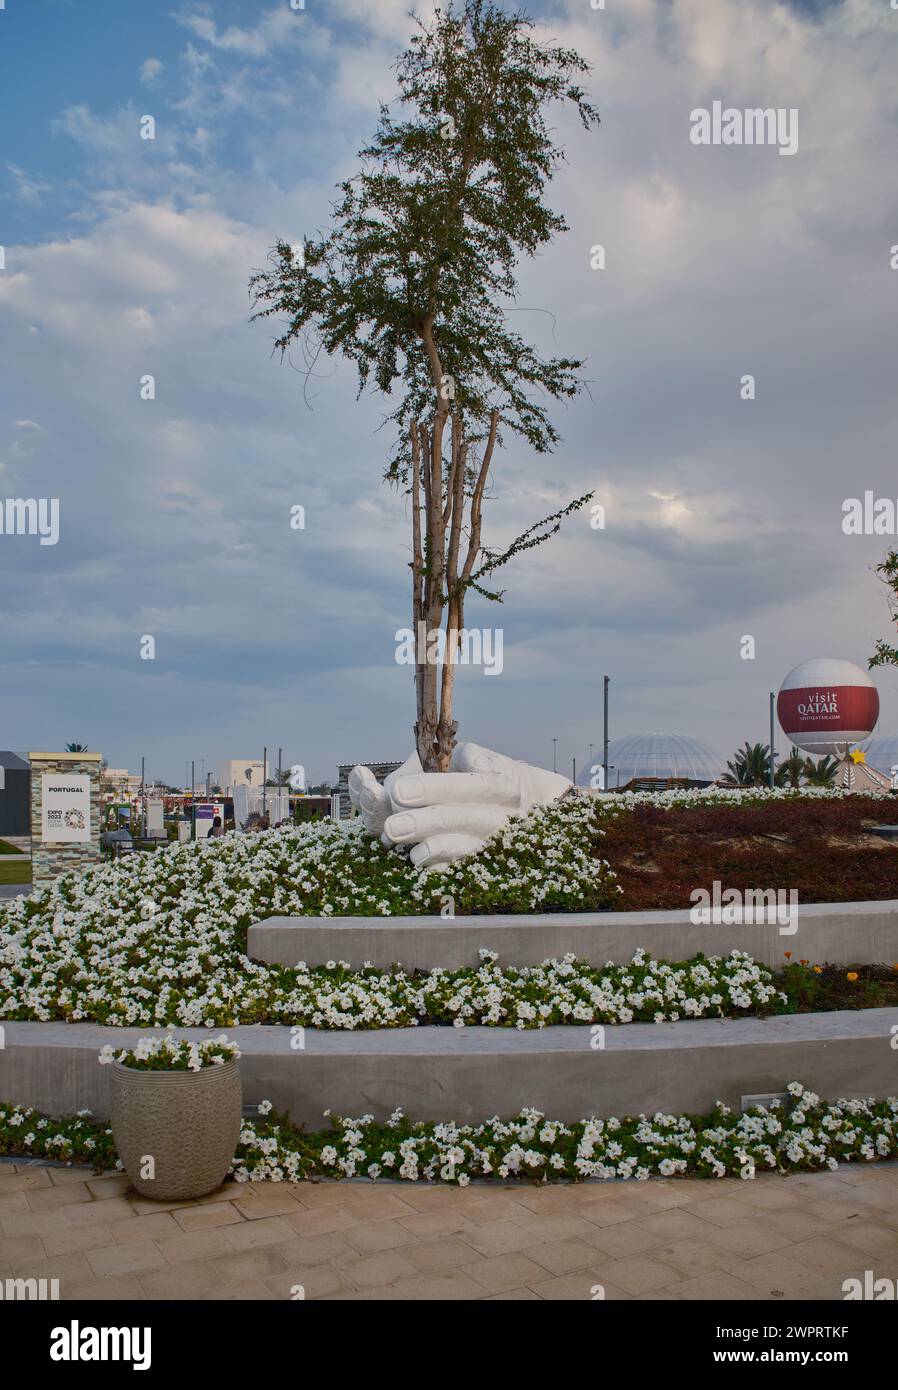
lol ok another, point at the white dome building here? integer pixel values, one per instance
(882, 752)
(656, 759)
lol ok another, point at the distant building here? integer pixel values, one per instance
(380, 770)
(15, 795)
(241, 772)
(120, 782)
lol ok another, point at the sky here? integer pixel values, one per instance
(723, 516)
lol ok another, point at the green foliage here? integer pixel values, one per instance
(426, 237)
(820, 772)
(749, 768)
(884, 654)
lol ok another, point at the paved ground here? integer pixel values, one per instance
(771, 1239)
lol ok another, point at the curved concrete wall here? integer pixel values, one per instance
(470, 1074)
(838, 933)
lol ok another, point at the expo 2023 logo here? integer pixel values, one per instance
(74, 820)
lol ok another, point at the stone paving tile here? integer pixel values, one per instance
(823, 1253)
(125, 1259)
(126, 1289)
(677, 1224)
(777, 1276)
(560, 1256)
(117, 1208)
(745, 1238)
(68, 1240)
(313, 1223)
(576, 1289)
(556, 1226)
(867, 1238)
(181, 1281)
(25, 1181)
(248, 1235)
(304, 1283)
(156, 1226)
(193, 1245)
(367, 1238)
(689, 1257)
(505, 1272)
(719, 1284)
(197, 1218)
(440, 1288)
(316, 1250)
(16, 1202)
(774, 1239)
(439, 1255)
(27, 1249)
(254, 1291)
(246, 1266)
(720, 1211)
(637, 1274)
(502, 1238)
(70, 1194)
(256, 1205)
(446, 1222)
(375, 1271)
(105, 1188)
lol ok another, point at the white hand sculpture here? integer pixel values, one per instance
(447, 815)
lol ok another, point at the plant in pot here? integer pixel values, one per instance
(176, 1109)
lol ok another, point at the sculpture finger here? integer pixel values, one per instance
(369, 798)
(473, 757)
(457, 789)
(440, 850)
(427, 821)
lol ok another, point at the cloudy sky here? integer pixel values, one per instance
(126, 257)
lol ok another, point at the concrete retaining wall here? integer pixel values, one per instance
(838, 933)
(469, 1074)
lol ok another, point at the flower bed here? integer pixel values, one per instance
(172, 1054)
(807, 1135)
(161, 939)
(818, 844)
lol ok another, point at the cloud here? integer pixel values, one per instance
(150, 70)
(723, 516)
(28, 188)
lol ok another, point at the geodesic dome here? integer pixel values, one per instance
(882, 752)
(659, 754)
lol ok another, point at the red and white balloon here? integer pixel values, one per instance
(827, 705)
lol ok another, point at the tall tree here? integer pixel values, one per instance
(412, 282)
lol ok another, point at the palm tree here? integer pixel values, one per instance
(791, 770)
(749, 768)
(76, 748)
(821, 773)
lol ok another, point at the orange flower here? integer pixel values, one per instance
(788, 955)
(818, 969)
(852, 976)
(802, 962)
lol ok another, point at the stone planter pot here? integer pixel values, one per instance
(187, 1122)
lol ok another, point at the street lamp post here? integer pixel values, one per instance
(605, 683)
